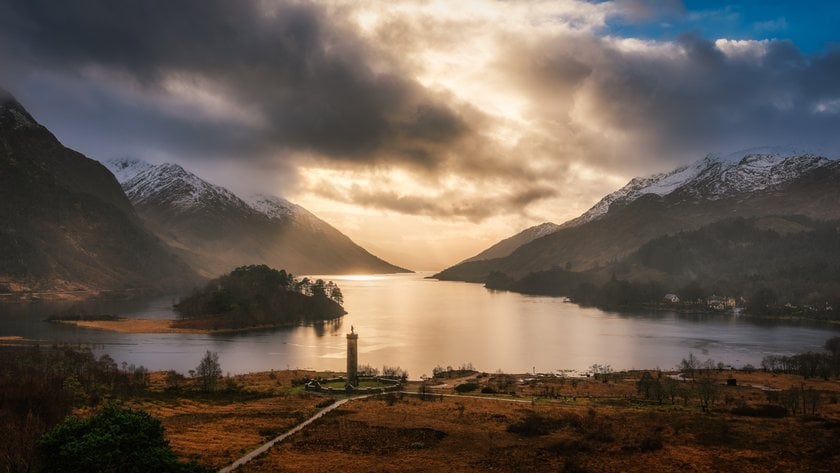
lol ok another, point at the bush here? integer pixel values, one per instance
(116, 439)
(466, 387)
(488, 390)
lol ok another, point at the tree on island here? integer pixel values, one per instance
(259, 296)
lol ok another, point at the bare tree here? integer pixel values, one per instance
(209, 371)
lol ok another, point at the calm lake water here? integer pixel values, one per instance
(418, 323)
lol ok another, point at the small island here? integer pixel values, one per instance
(256, 296)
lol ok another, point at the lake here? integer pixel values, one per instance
(419, 323)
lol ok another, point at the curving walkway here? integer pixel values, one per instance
(264, 447)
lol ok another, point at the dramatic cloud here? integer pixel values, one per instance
(468, 110)
(305, 79)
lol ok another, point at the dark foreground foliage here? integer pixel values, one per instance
(40, 385)
(259, 296)
(115, 439)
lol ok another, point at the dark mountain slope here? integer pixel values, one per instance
(778, 265)
(67, 225)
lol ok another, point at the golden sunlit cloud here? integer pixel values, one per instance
(459, 123)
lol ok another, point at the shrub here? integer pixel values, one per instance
(466, 387)
(116, 439)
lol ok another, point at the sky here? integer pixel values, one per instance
(426, 130)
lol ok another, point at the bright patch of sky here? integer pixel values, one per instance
(811, 25)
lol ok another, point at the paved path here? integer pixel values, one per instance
(263, 448)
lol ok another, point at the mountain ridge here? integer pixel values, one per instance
(740, 171)
(217, 230)
(69, 230)
(683, 199)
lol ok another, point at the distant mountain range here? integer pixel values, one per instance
(216, 231)
(68, 229)
(752, 183)
(71, 230)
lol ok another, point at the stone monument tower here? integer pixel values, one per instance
(353, 358)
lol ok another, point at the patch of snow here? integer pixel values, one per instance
(543, 229)
(718, 176)
(126, 168)
(273, 206)
(171, 185)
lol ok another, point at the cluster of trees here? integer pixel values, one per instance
(393, 372)
(259, 296)
(780, 272)
(808, 365)
(699, 381)
(584, 288)
(797, 264)
(40, 385)
(464, 369)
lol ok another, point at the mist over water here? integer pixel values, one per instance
(416, 323)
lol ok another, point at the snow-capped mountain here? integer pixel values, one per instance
(273, 207)
(217, 230)
(126, 168)
(716, 176)
(171, 185)
(762, 182)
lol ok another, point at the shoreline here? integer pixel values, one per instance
(131, 325)
(158, 326)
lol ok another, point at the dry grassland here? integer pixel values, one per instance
(475, 435)
(594, 426)
(216, 429)
(586, 425)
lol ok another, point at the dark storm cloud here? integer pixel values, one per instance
(636, 107)
(308, 77)
(285, 85)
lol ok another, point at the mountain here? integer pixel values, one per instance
(779, 266)
(68, 228)
(753, 183)
(509, 245)
(716, 177)
(216, 230)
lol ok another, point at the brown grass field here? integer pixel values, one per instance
(217, 429)
(585, 425)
